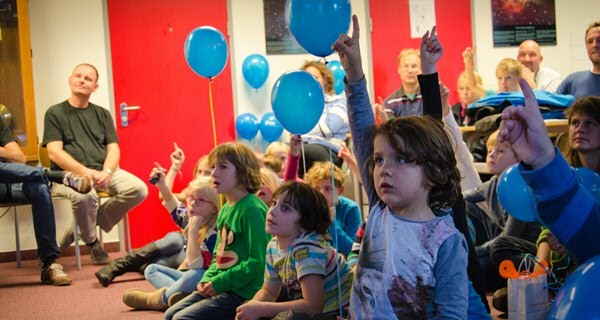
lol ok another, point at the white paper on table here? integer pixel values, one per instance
(422, 17)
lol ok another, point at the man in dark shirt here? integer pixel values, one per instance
(81, 137)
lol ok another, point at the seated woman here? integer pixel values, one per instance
(332, 128)
(173, 285)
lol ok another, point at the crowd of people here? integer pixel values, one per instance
(286, 244)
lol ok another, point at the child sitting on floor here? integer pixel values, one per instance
(300, 261)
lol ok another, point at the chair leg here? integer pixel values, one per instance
(17, 240)
(127, 235)
(76, 240)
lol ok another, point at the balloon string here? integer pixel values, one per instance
(212, 112)
(335, 231)
(303, 156)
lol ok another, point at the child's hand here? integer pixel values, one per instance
(295, 145)
(468, 56)
(379, 110)
(555, 245)
(206, 289)
(431, 52)
(525, 130)
(177, 157)
(158, 172)
(445, 93)
(349, 51)
(250, 310)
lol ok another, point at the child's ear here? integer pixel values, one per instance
(340, 190)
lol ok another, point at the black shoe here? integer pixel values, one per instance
(500, 300)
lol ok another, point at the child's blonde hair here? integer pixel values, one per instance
(203, 160)
(321, 170)
(492, 141)
(463, 77)
(269, 179)
(244, 161)
(509, 65)
(277, 145)
(272, 162)
(423, 141)
(204, 186)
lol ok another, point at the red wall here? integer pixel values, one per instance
(391, 34)
(149, 70)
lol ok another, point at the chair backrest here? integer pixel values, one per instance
(43, 156)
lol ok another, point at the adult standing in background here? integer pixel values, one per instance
(81, 137)
(586, 83)
(538, 77)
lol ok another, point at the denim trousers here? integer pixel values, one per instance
(26, 184)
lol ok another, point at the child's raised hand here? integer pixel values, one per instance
(525, 130)
(177, 157)
(295, 145)
(468, 55)
(348, 49)
(158, 172)
(431, 52)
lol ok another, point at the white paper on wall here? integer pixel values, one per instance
(422, 17)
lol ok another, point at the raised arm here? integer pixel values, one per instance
(468, 60)
(360, 114)
(431, 52)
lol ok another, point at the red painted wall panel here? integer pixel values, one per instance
(391, 34)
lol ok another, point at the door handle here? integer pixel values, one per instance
(124, 117)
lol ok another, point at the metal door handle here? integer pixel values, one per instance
(124, 117)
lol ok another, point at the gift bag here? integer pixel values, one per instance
(528, 295)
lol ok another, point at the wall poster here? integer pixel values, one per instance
(515, 21)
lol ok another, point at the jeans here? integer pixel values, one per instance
(195, 306)
(175, 280)
(22, 183)
(172, 249)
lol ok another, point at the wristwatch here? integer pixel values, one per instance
(109, 171)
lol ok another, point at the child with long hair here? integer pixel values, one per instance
(235, 273)
(300, 261)
(202, 206)
(413, 261)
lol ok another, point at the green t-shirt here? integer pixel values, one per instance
(85, 132)
(240, 252)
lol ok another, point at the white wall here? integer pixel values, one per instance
(569, 55)
(247, 36)
(63, 34)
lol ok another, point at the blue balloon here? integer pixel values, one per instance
(206, 51)
(246, 125)
(578, 298)
(338, 75)
(297, 100)
(516, 196)
(316, 24)
(270, 128)
(590, 180)
(255, 70)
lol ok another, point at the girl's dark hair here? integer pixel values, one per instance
(423, 141)
(590, 107)
(310, 204)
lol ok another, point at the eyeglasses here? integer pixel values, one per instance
(196, 201)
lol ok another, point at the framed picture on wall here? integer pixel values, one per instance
(515, 21)
(278, 37)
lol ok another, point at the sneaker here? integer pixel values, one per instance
(98, 255)
(54, 275)
(67, 239)
(500, 300)
(77, 182)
